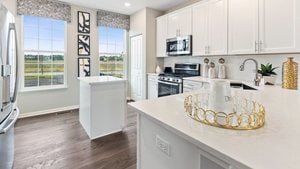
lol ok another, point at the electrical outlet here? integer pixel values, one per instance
(163, 145)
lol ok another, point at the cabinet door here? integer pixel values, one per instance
(161, 36)
(279, 26)
(173, 24)
(200, 29)
(217, 27)
(180, 23)
(243, 26)
(152, 89)
(185, 22)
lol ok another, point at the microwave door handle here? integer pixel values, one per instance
(12, 27)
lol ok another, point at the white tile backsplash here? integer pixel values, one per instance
(233, 63)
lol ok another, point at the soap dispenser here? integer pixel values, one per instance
(205, 68)
(221, 69)
(212, 71)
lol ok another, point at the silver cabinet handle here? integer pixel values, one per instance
(256, 46)
(260, 48)
(208, 49)
(15, 117)
(12, 27)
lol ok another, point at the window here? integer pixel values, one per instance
(112, 50)
(44, 52)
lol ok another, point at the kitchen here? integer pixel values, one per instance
(163, 52)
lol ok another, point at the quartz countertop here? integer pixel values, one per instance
(274, 146)
(101, 79)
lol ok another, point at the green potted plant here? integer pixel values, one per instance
(268, 73)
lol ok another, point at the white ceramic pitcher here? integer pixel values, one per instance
(220, 99)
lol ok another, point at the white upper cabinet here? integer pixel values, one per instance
(217, 27)
(180, 23)
(161, 36)
(243, 27)
(279, 26)
(200, 29)
(210, 28)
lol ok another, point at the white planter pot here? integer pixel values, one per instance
(269, 80)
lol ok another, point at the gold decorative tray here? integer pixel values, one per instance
(252, 116)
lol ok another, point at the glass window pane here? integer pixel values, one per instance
(58, 58)
(31, 57)
(31, 44)
(31, 69)
(58, 79)
(45, 69)
(58, 68)
(45, 80)
(45, 45)
(58, 45)
(45, 23)
(58, 35)
(58, 24)
(45, 34)
(45, 58)
(31, 32)
(31, 81)
(31, 21)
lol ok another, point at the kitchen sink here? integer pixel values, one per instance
(241, 85)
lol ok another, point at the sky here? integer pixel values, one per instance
(51, 36)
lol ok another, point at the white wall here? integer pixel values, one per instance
(233, 63)
(144, 22)
(29, 102)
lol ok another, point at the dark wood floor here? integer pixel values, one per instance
(58, 141)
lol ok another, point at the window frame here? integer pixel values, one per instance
(125, 52)
(22, 63)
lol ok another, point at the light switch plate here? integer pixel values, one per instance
(163, 145)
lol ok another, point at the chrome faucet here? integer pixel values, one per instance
(257, 75)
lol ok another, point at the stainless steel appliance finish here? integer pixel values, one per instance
(179, 46)
(8, 87)
(172, 83)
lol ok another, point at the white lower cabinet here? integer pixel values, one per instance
(189, 85)
(152, 86)
(160, 148)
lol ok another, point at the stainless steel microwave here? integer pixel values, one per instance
(179, 46)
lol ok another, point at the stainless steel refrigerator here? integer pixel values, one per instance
(8, 86)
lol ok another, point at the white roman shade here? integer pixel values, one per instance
(112, 19)
(45, 8)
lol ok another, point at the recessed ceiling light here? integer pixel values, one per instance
(127, 4)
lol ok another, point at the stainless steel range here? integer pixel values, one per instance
(170, 83)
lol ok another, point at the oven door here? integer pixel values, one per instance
(167, 88)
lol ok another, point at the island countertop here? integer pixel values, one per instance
(100, 79)
(276, 145)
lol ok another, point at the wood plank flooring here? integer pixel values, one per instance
(58, 141)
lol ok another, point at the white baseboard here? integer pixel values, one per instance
(49, 111)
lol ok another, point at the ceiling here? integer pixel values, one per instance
(118, 5)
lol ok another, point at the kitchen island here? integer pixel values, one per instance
(102, 105)
(169, 139)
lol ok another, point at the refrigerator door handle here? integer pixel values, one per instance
(12, 27)
(15, 117)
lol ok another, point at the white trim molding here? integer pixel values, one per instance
(49, 111)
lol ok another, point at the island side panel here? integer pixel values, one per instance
(182, 154)
(108, 108)
(85, 107)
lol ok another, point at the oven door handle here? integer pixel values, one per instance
(173, 84)
(15, 115)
